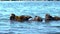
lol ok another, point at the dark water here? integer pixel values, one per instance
(32, 9)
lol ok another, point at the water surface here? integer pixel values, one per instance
(32, 9)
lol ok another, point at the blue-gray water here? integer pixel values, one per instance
(32, 9)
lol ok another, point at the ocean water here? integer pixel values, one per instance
(32, 9)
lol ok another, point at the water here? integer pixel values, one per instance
(32, 9)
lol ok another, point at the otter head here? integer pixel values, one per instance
(12, 17)
(47, 14)
(48, 17)
(37, 18)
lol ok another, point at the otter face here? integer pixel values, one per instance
(48, 16)
(37, 18)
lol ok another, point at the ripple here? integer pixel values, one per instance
(33, 9)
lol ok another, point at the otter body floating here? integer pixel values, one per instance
(48, 17)
(37, 18)
(19, 18)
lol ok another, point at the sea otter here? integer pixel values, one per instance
(19, 18)
(48, 17)
(37, 18)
